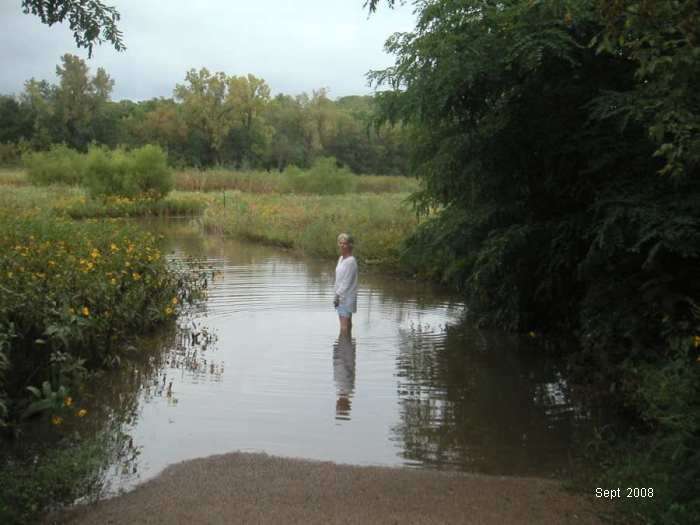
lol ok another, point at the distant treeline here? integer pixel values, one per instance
(212, 120)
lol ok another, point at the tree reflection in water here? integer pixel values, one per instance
(481, 402)
(116, 396)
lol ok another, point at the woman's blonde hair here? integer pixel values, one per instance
(347, 238)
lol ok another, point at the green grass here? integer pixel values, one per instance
(13, 177)
(311, 224)
(274, 182)
(213, 180)
(65, 473)
(73, 202)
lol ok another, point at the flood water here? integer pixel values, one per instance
(260, 367)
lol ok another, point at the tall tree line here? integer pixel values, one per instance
(212, 119)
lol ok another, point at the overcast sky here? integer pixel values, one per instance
(295, 45)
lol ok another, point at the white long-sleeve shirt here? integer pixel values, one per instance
(346, 282)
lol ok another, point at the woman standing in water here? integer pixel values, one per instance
(345, 300)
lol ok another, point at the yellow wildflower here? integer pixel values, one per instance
(67, 401)
(86, 311)
(113, 281)
(114, 247)
(136, 276)
(95, 253)
(82, 412)
(56, 420)
(174, 300)
(168, 310)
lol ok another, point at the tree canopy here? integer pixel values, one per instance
(91, 21)
(558, 141)
(213, 119)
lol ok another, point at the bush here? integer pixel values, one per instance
(11, 153)
(73, 294)
(59, 165)
(143, 171)
(323, 178)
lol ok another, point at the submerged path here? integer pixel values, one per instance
(257, 488)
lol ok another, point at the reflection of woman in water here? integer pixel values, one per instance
(345, 300)
(343, 375)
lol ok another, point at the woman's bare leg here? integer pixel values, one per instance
(345, 325)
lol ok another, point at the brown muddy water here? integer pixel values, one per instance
(259, 367)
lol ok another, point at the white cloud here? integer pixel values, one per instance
(294, 45)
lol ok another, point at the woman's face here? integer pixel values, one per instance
(345, 247)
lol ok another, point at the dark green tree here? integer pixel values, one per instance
(16, 121)
(558, 142)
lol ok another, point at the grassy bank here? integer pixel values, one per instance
(275, 182)
(73, 202)
(73, 293)
(13, 177)
(75, 296)
(311, 223)
(193, 180)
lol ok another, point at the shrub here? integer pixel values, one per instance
(323, 178)
(11, 153)
(149, 171)
(143, 171)
(59, 165)
(73, 293)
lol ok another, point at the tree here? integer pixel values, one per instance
(80, 101)
(371, 5)
(284, 115)
(15, 120)
(558, 140)
(91, 21)
(249, 137)
(38, 99)
(206, 108)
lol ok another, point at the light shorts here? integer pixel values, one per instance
(343, 311)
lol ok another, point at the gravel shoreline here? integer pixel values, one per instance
(257, 488)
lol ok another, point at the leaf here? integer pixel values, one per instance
(37, 407)
(35, 391)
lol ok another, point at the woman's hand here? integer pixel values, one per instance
(336, 301)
